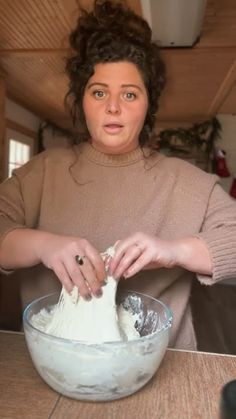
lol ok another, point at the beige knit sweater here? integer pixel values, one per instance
(103, 198)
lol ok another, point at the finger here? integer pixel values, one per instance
(120, 250)
(63, 276)
(128, 258)
(90, 277)
(77, 278)
(143, 260)
(116, 243)
(115, 260)
(97, 262)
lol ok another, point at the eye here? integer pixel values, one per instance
(130, 96)
(98, 94)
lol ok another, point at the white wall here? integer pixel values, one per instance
(228, 143)
(21, 115)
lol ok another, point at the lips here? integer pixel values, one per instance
(113, 124)
(113, 127)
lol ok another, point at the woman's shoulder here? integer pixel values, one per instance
(183, 168)
(58, 154)
(187, 177)
(37, 165)
(175, 166)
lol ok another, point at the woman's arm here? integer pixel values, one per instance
(210, 253)
(27, 247)
(21, 245)
(20, 248)
(193, 255)
(142, 251)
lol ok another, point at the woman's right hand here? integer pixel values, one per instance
(59, 253)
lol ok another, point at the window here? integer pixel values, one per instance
(19, 154)
(19, 149)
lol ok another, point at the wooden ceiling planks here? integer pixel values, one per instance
(198, 78)
(225, 93)
(44, 76)
(33, 24)
(228, 105)
(34, 55)
(34, 42)
(219, 27)
(193, 81)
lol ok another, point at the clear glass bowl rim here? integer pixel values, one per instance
(146, 338)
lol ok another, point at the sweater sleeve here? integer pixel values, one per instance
(20, 197)
(219, 233)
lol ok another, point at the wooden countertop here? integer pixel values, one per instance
(186, 386)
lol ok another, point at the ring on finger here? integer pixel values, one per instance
(79, 259)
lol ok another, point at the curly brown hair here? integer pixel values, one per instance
(112, 32)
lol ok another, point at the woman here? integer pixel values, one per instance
(170, 221)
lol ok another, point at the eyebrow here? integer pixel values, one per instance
(106, 85)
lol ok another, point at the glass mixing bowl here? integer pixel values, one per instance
(106, 371)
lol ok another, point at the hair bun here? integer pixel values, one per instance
(110, 17)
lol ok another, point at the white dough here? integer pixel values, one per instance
(94, 321)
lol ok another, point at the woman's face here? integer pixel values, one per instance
(115, 104)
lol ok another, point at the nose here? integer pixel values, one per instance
(113, 105)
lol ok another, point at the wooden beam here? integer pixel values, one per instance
(20, 128)
(162, 125)
(21, 52)
(3, 73)
(223, 91)
(185, 121)
(33, 52)
(2, 127)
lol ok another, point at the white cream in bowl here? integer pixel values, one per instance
(101, 371)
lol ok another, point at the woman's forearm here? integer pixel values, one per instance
(20, 248)
(193, 255)
(142, 251)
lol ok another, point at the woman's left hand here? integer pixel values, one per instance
(142, 251)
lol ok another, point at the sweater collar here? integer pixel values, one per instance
(145, 156)
(103, 159)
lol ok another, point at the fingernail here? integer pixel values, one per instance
(98, 293)
(88, 297)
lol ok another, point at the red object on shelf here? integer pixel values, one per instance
(232, 191)
(221, 165)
